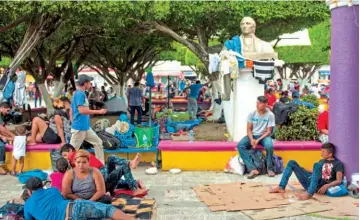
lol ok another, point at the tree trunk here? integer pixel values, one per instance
(59, 87)
(41, 26)
(197, 49)
(46, 97)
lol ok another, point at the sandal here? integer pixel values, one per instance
(13, 173)
(252, 176)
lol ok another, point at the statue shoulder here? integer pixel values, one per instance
(266, 46)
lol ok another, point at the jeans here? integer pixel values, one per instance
(132, 114)
(35, 101)
(2, 153)
(112, 174)
(192, 107)
(85, 209)
(311, 182)
(244, 147)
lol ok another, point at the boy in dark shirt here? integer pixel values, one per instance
(326, 173)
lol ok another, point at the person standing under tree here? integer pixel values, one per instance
(81, 130)
(135, 96)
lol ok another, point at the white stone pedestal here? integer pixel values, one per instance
(246, 91)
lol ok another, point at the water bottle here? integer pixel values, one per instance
(344, 182)
(145, 140)
(191, 135)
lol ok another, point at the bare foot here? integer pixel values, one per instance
(29, 143)
(277, 190)
(2, 171)
(303, 196)
(140, 184)
(140, 192)
(135, 162)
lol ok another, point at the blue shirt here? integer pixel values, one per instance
(45, 204)
(194, 90)
(80, 122)
(182, 85)
(135, 95)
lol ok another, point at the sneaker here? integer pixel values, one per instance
(271, 173)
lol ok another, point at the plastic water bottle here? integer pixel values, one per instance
(191, 135)
(145, 140)
(344, 182)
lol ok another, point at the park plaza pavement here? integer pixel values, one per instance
(173, 192)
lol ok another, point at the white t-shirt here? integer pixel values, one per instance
(19, 147)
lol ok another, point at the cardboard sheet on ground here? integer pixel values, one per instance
(255, 201)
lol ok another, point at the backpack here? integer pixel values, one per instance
(282, 112)
(278, 164)
(259, 160)
(12, 210)
(110, 142)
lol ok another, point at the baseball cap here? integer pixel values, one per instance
(83, 79)
(262, 99)
(33, 183)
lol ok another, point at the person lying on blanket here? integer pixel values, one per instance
(49, 204)
(112, 171)
(327, 173)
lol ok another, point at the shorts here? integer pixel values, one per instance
(85, 209)
(50, 137)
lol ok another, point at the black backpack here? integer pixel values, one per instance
(282, 112)
(110, 142)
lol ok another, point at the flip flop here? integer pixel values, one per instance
(252, 175)
(13, 173)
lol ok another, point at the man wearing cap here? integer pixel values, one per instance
(80, 129)
(50, 205)
(260, 124)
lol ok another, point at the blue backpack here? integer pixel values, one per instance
(278, 164)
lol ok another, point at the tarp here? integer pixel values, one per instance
(116, 104)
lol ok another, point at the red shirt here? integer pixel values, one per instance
(323, 121)
(94, 162)
(271, 99)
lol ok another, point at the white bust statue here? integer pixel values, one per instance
(250, 43)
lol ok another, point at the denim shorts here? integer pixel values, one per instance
(85, 209)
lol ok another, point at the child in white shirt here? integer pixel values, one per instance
(19, 148)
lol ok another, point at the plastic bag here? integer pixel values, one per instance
(235, 165)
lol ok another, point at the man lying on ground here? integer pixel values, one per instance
(50, 205)
(327, 173)
(115, 168)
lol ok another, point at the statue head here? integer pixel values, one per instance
(247, 26)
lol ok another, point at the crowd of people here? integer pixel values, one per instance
(84, 183)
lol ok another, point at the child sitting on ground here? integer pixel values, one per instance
(326, 173)
(19, 148)
(56, 178)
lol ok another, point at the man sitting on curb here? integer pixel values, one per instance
(260, 124)
(49, 204)
(115, 168)
(327, 173)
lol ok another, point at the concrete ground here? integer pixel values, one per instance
(175, 198)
